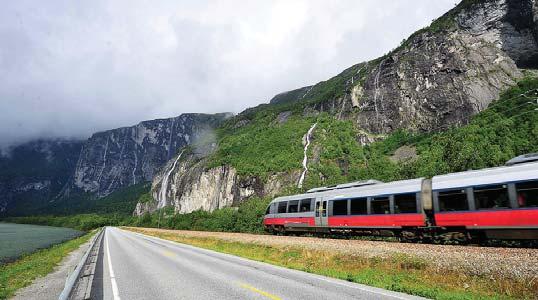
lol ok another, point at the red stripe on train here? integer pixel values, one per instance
(282, 221)
(396, 220)
(489, 218)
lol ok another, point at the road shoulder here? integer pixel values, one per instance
(51, 285)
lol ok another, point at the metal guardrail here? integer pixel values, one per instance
(74, 276)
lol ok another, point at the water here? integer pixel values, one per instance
(305, 159)
(17, 239)
(164, 184)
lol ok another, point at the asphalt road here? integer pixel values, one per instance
(136, 266)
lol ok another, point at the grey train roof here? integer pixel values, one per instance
(518, 172)
(395, 187)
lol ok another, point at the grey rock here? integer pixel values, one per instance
(192, 186)
(125, 156)
(283, 117)
(32, 174)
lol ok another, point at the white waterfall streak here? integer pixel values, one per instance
(308, 91)
(136, 164)
(170, 139)
(104, 162)
(342, 108)
(376, 91)
(164, 184)
(305, 159)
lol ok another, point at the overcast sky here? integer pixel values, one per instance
(70, 68)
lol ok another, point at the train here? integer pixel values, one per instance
(499, 203)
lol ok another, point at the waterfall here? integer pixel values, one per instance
(308, 91)
(376, 91)
(164, 184)
(104, 162)
(170, 139)
(136, 164)
(305, 159)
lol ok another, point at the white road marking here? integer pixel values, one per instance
(111, 272)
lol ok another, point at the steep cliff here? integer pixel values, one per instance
(186, 184)
(441, 75)
(126, 156)
(438, 78)
(32, 174)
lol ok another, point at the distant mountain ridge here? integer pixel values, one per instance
(35, 172)
(40, 173)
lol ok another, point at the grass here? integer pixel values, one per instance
(21, 273)
(402, 273)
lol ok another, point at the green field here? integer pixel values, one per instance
(19, 239)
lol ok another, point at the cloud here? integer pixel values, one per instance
(70, 68)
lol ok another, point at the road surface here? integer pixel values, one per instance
(136, 266)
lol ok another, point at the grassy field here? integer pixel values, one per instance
(22, 272)
(402, 273)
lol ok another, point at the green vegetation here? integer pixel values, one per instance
(402, 273)
(122, 201)
(246, 218)
(84, 222)
(508, 128)
(263, 147)
(21, 273)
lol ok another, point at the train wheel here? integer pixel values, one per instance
(408, 236)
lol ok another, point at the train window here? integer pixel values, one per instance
(454, 200)
(381, 205)
(293, 206)
(324, 209)
(268, 210)
(527, 193)
(282, 207)
(305, 205)
(359, 206)
(405, 203)
(491, 197)
(340, 207)
(317, 209)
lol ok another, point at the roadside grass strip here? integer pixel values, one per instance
(25, 270)
(402, 273)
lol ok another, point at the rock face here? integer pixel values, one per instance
(510, 25)
(33, 174)
(192, 186)
(441, 75)
(120, 157)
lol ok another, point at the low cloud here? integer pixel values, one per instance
(70, 68)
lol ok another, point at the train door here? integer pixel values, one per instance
(321, 212)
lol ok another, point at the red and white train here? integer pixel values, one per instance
(494, 203)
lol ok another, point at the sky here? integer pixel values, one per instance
(72, 68)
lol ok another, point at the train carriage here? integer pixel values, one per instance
(500, 203)
(494, 203)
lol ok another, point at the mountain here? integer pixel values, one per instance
(351, 126)
(32, 174)
(59, 176)
(126, 156)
